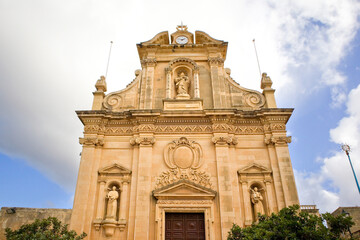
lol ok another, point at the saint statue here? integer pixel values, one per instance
(256, 199)
(112, 197)
(182, 86)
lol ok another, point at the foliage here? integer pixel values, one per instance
(45, 229)
(291, 223)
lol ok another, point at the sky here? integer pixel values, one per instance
(52, 52)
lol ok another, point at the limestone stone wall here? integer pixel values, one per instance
(15, 217)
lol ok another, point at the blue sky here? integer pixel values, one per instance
(52, 53)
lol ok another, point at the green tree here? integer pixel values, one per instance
(291, 224)
(45, 229)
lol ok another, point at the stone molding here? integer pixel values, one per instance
(183, 60)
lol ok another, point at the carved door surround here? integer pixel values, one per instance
(256, 175)
(184, 196)
(118, 176)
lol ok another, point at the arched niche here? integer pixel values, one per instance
(190, 70)
(256, 175)
(108, 177)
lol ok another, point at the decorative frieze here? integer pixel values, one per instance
(185, 202)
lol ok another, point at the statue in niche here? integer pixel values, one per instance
(257, 200)
(112, 197)
(182, 86)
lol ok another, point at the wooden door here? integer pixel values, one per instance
(184, 226)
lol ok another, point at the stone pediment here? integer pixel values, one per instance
(253, 169)
(184, 189)
(160, 38)
(114, 170)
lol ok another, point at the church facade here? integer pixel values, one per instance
(182, 152)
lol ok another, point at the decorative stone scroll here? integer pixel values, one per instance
(183, 154)
(174, 175)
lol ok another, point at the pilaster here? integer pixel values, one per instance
(145, 141)
(222, 140)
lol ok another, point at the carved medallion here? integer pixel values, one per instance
(183, 153)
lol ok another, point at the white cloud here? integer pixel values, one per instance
(336, 174)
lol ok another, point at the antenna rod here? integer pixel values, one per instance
(107, 67)
(257, 58)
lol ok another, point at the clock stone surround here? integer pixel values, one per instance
(182, 137)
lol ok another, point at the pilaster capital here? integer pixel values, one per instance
(216, 61)
(277, 140)
(92, 141)
(142, 141)
(224, 140)
(168, 70)
(148, 62)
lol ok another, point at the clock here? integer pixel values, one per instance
(182, 40)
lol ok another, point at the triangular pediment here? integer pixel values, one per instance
(184, 189)
(254, 168)
(114, 169)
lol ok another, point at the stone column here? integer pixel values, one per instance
(247, 203)
(168, 82)
(101, 201)
(123, 202)
(196, 83)
(224, 181)
(143, 196)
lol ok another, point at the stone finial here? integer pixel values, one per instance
(101, 84)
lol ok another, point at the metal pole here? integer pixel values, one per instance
(357, 183)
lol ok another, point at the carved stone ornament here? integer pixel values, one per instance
(91, 141)
(183, 153)
(225, 140)
(147, 141)
(277, 140)
(174, 175)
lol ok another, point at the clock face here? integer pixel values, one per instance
(182, 40)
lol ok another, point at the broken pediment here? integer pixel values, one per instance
(204, 38)
(184, 189)
(114, 170)
(160, 38)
